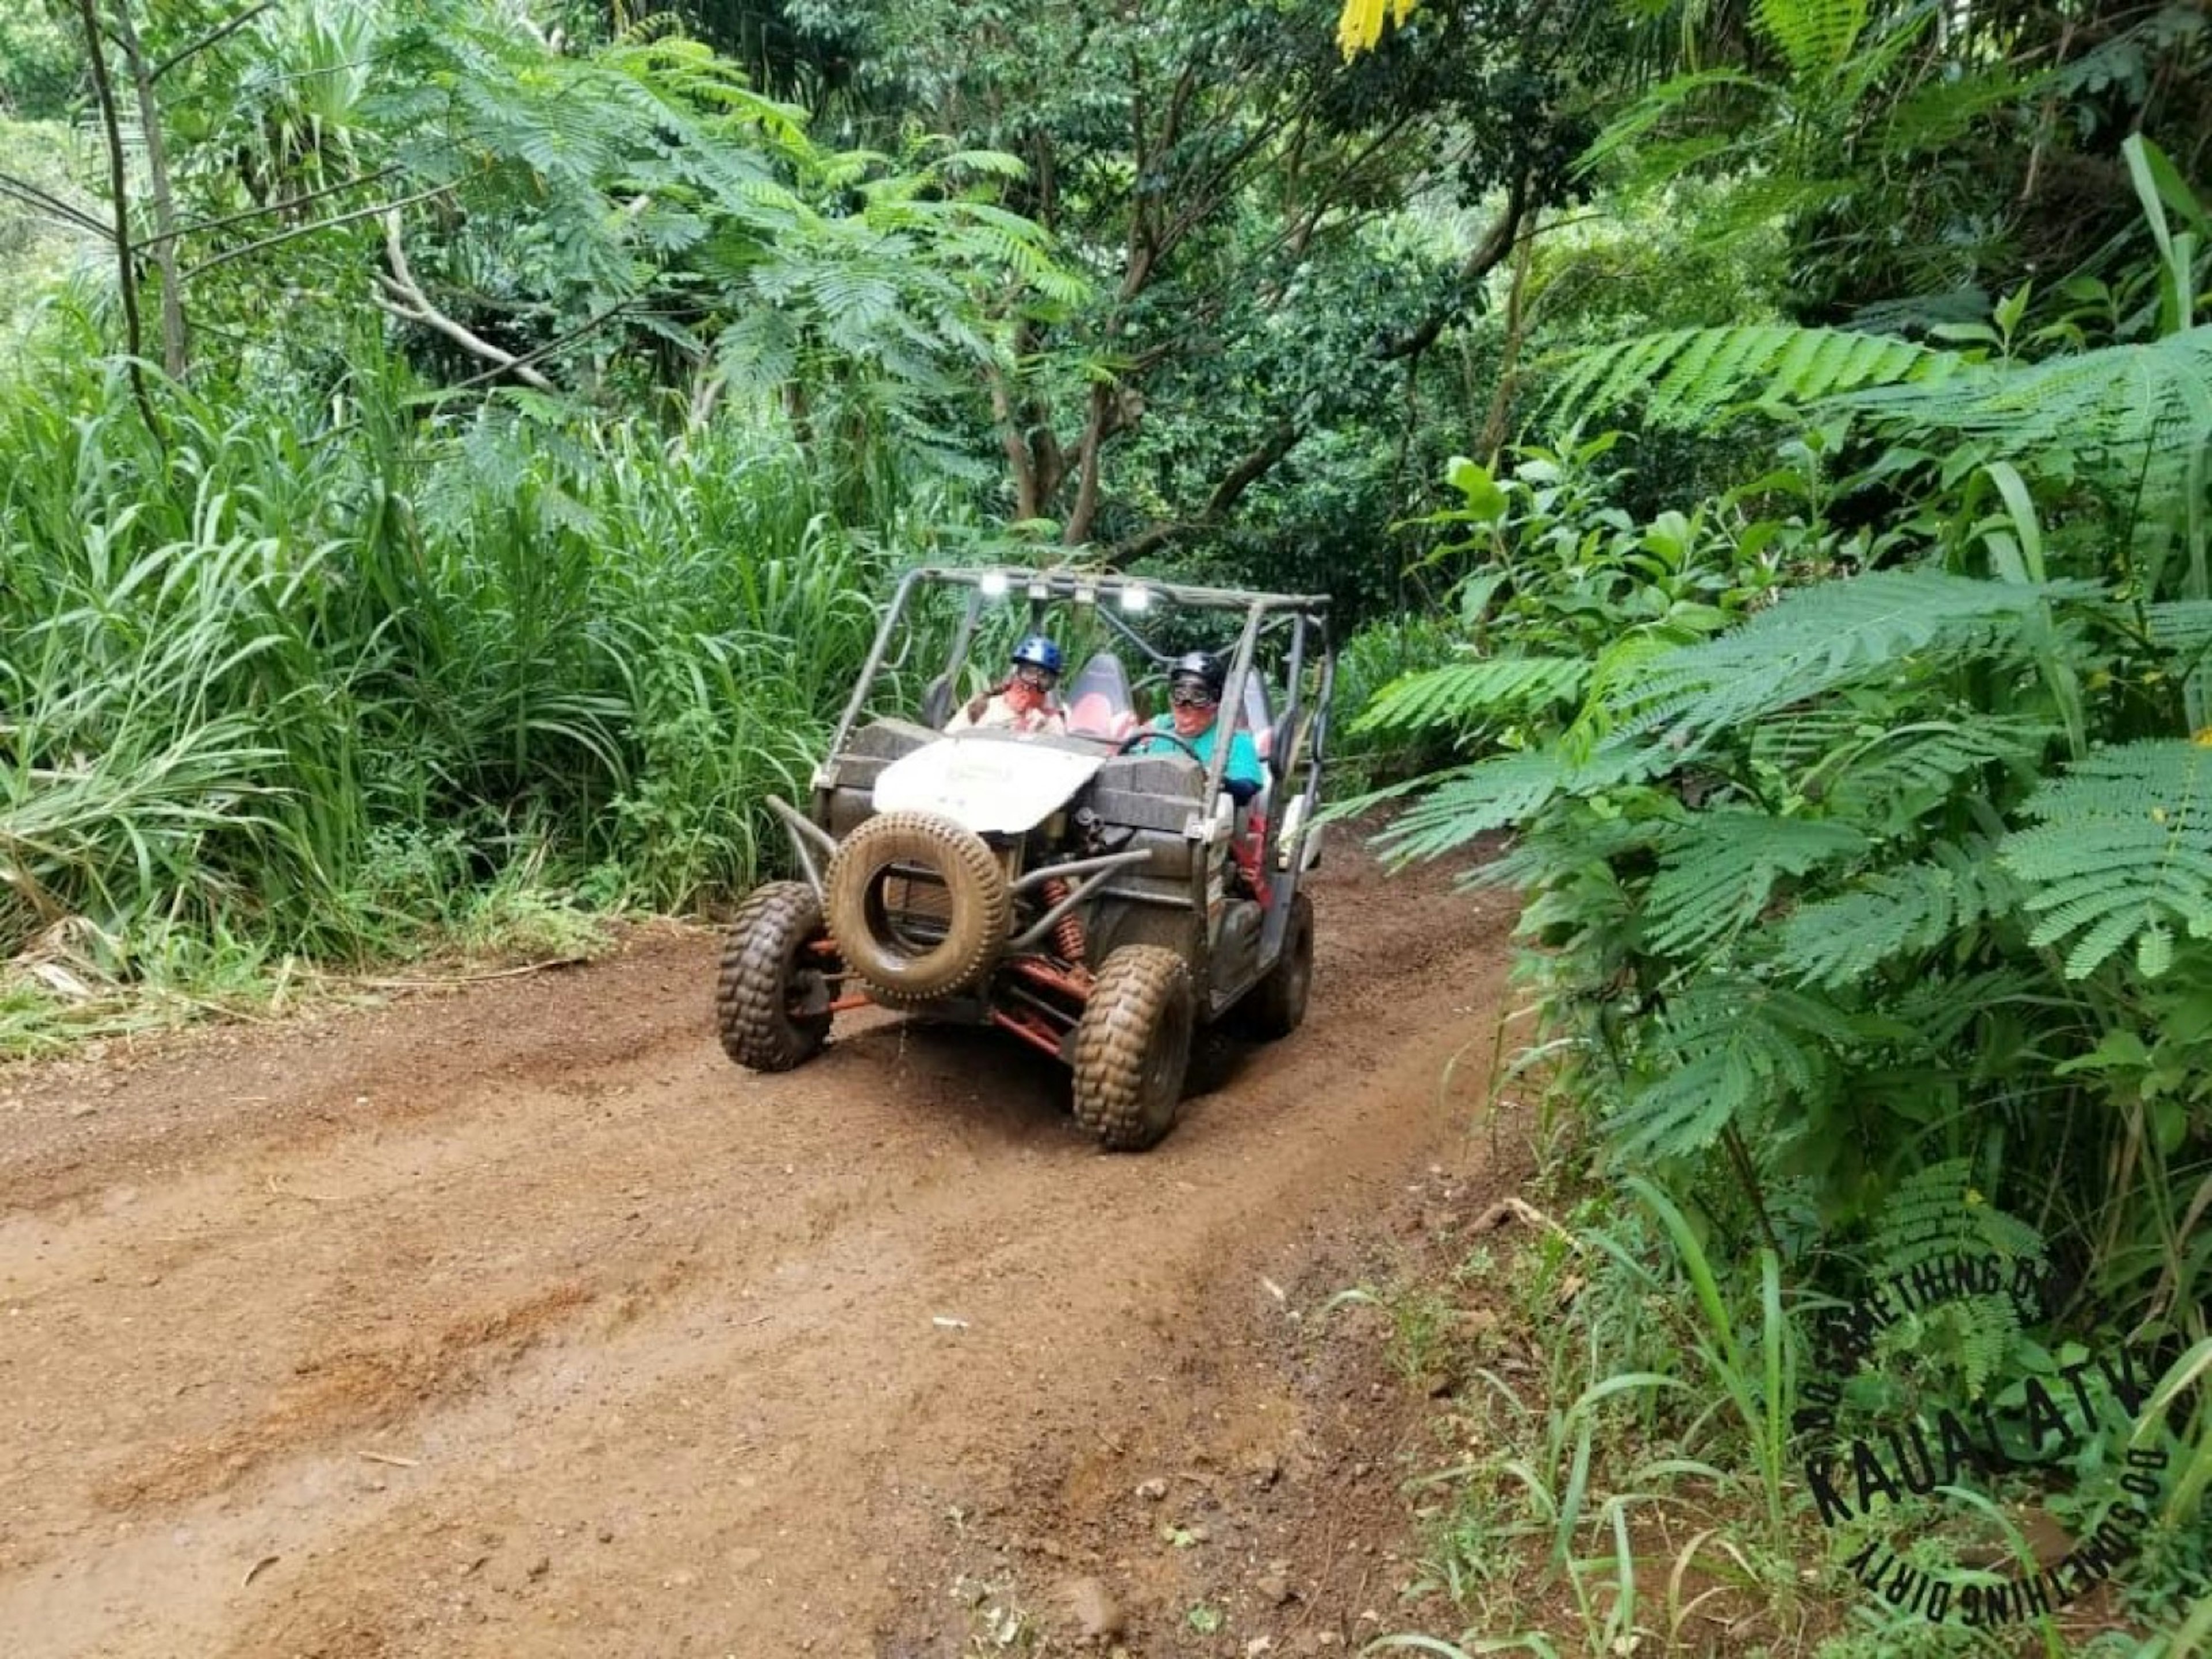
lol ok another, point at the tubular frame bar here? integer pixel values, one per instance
(804, 833)
(1065, 584)
(1045, 872)
(1036, 933)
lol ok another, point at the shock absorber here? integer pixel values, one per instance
(1067, 932)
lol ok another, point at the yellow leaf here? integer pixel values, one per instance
(2204, 738)
(1360, 25)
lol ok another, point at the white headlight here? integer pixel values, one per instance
(1136, 598)
(993, 584)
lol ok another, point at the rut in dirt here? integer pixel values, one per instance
(519, 1322)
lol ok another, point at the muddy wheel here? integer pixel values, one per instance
(968, 916)
(772, 1000)
(1132, 1047)
(1276, 1006)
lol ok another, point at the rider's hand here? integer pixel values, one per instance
(977, 704)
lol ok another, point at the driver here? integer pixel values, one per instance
(1024, 703)
(1194, 708)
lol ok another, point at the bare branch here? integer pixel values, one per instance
(1489, 253)
(403, 297)
(208, 40)
(591, 325)
(229, 219)
(320, 224)
(31, 195)
(1250, 470)
(1254, 465)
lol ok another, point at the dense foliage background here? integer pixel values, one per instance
(1762, 457)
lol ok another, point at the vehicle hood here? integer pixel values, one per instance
(986, 782)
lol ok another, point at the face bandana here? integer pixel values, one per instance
(1024, 698)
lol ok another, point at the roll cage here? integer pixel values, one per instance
(1290, 737)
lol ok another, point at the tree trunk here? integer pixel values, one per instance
(173, 357)
(1105, 409)
(1020, 458)
(127, 256)
(1517, 333)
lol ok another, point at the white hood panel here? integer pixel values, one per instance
(989, 784)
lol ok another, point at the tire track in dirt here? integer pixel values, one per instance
(653, 1342)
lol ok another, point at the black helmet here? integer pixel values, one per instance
(1202, 665)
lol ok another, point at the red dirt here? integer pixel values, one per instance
(517, 1321)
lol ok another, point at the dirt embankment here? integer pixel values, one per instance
(519, 1322)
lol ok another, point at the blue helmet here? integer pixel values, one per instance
(1039, 652)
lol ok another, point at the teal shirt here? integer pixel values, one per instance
(1244, 753)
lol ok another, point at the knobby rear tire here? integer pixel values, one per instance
(1276, 1006)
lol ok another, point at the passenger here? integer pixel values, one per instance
(1194, 706)
(1024, 703)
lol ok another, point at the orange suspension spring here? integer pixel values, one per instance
(1067, 932)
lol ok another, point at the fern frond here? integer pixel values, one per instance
(1812, 34)
(1684, 374)
(1936, 1211)
(2123, 851)
(1799, 741)
(1459, 695)
(1725, 1052)
(1933, 1243)
(760, 348)
(1824, 636)
(1913, 765)
(1576, 850)
(1718, 872)
(2182, 627)
(1908, 911)
(1938, 1011)
(2151, 398)
(1494, 794)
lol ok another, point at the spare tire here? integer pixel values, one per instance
(947, 925)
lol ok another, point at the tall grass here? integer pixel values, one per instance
(253, 676)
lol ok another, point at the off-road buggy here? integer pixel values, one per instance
(1096, 901)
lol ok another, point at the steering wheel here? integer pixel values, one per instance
(1146, 734)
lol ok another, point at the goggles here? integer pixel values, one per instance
(1190, 694)
(1029, 674)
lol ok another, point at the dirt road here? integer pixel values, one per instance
(519, 1322)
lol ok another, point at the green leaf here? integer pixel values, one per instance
(1483, 498)
(2123, 846)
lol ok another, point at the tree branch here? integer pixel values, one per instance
(208, 40)
(203, 226)
(1489, 253)
(1103, 420)
(1026, 504)
(31, 195)
(403, 297)
(1254, 465)
(1250, 471)
(296, 231)
(591, 325)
